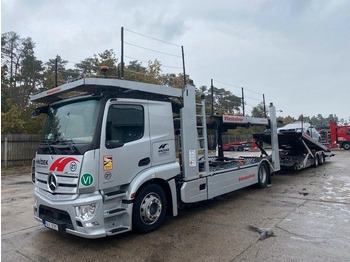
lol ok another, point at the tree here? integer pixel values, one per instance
(92, 66)
(288, 120)
(29, 79)
(108, 58)
(11, 122)
(134, 71)
(64, 74)
(304, 118)
(151, 74)
(259, 110)
(4, 90)
(24, 69)
(10, 53)
(174, 80)
(224, 101)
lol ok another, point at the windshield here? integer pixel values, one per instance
(73, 123)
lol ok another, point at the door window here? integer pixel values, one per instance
(125, 123)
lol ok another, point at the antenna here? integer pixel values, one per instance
(122, 54)
(183, 64)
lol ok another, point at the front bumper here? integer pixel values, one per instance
(62, 214)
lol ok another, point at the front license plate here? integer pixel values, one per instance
(51, 225)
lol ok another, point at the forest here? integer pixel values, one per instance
(22, 74)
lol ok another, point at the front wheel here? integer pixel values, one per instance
(346, 146)
(263, 175)
(149, 209)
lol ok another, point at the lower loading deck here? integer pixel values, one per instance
(225, 163)
(225, 175)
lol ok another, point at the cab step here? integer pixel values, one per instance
(113, 195)
(117, 230)
(114, 212)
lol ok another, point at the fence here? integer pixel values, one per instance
(19, 150)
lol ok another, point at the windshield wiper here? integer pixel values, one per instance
(46, 142)
(64, 143)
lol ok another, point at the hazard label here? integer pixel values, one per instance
(107, 163)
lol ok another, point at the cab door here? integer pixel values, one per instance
(125, 142)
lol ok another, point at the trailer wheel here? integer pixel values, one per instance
(316, 161)
(346, 146)
(149, 209)
(321, 159)
(263, 175)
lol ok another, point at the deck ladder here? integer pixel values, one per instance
(202, 135)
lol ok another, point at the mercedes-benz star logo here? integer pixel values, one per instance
(52, 181)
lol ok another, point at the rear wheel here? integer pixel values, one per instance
(149, 209)
(346, 146)
(315, 160)
(321, 159)
(263, 175)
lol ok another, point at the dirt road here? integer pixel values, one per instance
(303, 216)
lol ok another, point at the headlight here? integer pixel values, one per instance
(85, 212)
(92, 224)
(35, 206)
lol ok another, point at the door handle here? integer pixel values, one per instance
(144, 161)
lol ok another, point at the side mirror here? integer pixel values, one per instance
(113, 144)
(40, 110)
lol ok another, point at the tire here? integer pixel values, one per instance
(321, 159)
(316, 161)
(263, 175)
(346, 146)
(149, 208)
(231, 148)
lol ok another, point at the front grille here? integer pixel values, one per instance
(56, 216)
(67, 185)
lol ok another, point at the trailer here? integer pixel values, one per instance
(107, 161)
(297, 150)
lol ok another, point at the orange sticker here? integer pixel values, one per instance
(107, 163)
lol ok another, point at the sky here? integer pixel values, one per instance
(295, 52)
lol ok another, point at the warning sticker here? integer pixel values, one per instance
(192, 158)
(107, 163)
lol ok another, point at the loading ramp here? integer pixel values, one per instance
(297, 150)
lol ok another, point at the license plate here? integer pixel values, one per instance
(51, 225)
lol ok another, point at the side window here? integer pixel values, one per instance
(125, 123)
(348, 131)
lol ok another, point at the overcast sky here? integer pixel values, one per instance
(296, 52)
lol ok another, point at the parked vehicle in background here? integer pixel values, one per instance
(336, 136)
(237, 146)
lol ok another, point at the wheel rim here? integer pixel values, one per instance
(151, 208)
(262, 174)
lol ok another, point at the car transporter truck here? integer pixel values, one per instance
(107, 162)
